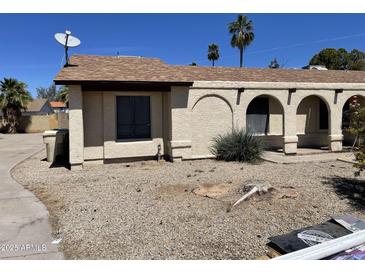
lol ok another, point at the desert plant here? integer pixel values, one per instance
(356, 127)
(237, 145)
(356, 117)
(14, 97)
(360, 160)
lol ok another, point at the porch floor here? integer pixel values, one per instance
(307, 155)
(307, 151)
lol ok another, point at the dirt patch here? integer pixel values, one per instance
(215, 191)
(174, 189)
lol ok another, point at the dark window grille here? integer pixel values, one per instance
(133, 117)
(323, 115)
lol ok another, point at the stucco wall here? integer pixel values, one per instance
(76, 127)
(166, 123)
(93, 125)
(275, 117)
(308, 128)
(284, 126)
(62, 118)
(180, 143)
(308, 115)
(200, 114)
(184, 120)
(100, 140)
(210, 117)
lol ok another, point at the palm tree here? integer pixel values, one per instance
(213, 53)
(242, 34)
(63, 94)
(14, 97)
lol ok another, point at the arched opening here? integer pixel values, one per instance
(348, 138)
(313, 123)
(265, 118)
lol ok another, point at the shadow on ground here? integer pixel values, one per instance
(348, 188)
(60, 162)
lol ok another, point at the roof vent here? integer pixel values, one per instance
(130, 56)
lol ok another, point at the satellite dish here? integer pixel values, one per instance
(67, 41)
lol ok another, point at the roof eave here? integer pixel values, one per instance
(115, 82)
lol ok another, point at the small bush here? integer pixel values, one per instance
(237, 145)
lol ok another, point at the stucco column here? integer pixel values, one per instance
(290, 139)
(180, 143)
(335, 136)
(76, 127)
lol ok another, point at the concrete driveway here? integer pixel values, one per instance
(25, 231)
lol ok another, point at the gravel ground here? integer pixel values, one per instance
(147, 210)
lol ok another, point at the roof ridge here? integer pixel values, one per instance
(265, 69)
(115, 56)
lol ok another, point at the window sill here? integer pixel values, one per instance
(133, 140)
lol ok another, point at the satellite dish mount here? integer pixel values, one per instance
(67, 41)
(66, 47)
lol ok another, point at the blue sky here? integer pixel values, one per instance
(29, 52)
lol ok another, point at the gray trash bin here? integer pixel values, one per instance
(55, 141)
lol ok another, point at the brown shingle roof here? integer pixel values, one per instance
(36, 105)
(140, 69)
(110, 68)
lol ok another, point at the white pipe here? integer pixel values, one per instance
(244, 197)
(326, 249)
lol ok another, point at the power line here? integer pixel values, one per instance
(301, 44)
(309, 43)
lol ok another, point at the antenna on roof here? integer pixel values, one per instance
(67, 41)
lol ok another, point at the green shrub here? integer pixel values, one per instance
(237, 145)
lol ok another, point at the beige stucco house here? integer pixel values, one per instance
(133, 107)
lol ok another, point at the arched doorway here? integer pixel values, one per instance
(265, 119)
(312, 121)
(348, 138)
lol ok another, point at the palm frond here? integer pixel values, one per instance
(242, 32)
(14, 96)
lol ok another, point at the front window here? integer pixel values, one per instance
(133, 117)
